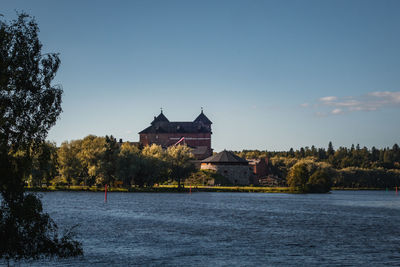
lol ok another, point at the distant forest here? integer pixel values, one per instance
(102, 160)
(352, 167)
(343, 157)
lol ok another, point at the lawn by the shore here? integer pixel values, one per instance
(166, 188)
(186, 189)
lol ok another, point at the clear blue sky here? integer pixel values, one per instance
(269, 74)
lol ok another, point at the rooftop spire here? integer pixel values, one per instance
(160, 118)
(203, 118)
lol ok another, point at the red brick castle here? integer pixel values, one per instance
(195, 134)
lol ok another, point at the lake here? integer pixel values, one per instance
(224, 229)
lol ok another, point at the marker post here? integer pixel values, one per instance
(105, 194)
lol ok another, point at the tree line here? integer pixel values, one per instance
(353, 167)
(343, 157)
(96, 160)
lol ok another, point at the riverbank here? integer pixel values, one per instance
(175, 189)
(165, 189)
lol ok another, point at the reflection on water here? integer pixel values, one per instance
(342, 228)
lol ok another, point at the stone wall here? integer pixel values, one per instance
(237, 174)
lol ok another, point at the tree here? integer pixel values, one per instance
(291, 153)
(179, 164)
(319, 182)
(314, 151)
(298, 177)
(108, 160)
(29, 107)
(330, 150)
(90, 155)
(127, 163)
(70, 167)
(388, 159)
(396, 152)
(321, 153)
(154, 159)
(309, 176)
(44, 166)
(302, 152)
(374, 154)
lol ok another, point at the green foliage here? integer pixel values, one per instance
(207, 177)
(127, 164)
(179, 162)
(298, 177)
(92, 160)
(29, 103)
(71, 168)
(44, 164)
(330, 150)
(108, 161)
(376, 168)
(154, 165)
(280, 165)
(99, 160)
(388, 158)
(90, 153)
(354, 177)
(252, 154)
(319, 182)
(28, 233)
(309, 176)
(29, 107)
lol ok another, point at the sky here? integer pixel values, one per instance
(270, 75)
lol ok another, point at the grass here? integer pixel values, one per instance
(254, 189)
(186, 189)
(165, 188)
(361, 188)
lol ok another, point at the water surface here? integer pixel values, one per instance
(222, 229)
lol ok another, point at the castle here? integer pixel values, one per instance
(195, 134)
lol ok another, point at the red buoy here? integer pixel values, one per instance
(105, 194)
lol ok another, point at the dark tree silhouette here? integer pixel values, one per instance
(330, 150)
(29, 107)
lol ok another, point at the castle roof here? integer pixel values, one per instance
(202, 118)
(160, 118)
(176, 127)
(225, 157)
(161, 124)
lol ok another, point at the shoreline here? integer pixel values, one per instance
(194, 189)
(163, 189)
